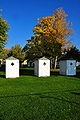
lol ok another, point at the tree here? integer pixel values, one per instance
(3, 32)
(16, 51)
(30, 49)
(4, 54)
(50, 34)
(73, 53)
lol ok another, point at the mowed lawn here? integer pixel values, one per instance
(46, 98)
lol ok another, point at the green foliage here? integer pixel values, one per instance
(3, 32)
(4, 54)
(17, 52)
(30, 49)
(73, 53)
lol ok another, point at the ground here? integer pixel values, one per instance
(32, 98)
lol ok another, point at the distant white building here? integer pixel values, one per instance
(68, 67)
(12, 67)
(30, 64)
(42, 67)
(0, 62)
(24, 62)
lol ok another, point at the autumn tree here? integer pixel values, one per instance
(3, 32)
(51, 33)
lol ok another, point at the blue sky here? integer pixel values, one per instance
(22, 15)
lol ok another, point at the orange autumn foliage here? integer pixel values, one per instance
(50, 36)
(53, 28)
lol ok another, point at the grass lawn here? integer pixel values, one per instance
(32, 98)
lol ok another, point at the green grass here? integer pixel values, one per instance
(32, 98)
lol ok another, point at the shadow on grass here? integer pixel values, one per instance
(54, 73)
(60, 99)
(75, 93)
(2, 69)
(27, 71)
(22, 71)
(2, 76)
(30, 72)
(44, 97)
(77, 75)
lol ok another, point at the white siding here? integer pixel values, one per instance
(71, 67)
(12, 71)
(42, 68)
(63, 67)
(36, 67)
(68, 67)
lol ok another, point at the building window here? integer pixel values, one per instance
(71, 63)
(44, 63)
(12, 63)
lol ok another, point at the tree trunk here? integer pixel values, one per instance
(51, 66)
(55, 62)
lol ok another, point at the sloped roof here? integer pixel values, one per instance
(11, 58)
(66, 58)
(43, 58)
